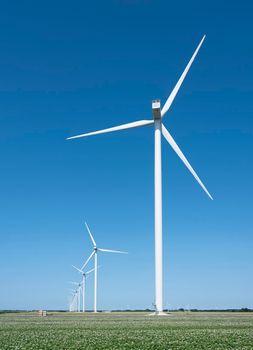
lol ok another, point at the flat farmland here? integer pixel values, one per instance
(181, 330)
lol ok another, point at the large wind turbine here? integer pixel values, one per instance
(84, 276)
(94, 253)
(159, 129)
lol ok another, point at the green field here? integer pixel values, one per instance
(183, 331)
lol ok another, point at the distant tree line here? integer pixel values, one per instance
(243, 309)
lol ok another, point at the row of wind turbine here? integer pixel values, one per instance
(76, 296)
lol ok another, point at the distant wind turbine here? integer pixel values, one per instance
(159, 129)
(84, 275)
(94, 253)
(73, 300)
(78, 294)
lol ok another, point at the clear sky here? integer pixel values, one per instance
(68, 67)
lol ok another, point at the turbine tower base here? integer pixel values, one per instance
(160, 313)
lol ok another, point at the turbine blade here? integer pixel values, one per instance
(77, 268)
(86, 273)
(91, 237)
(178, 151)
(180, 81)
(115, 128)
(86, 262)
(111, 251)
(73, 282)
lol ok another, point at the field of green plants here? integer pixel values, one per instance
(127, 331)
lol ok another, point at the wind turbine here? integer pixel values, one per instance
(73, 300)
(84, 276)
(159, 129)
(95, 251)
(70, 300)
(78, 293)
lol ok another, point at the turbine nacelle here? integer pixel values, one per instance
(156, 109)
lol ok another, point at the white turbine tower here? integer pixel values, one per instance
(84, 276)
(159, 129)
(95, 253)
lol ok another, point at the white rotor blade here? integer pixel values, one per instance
(77, 269)
(73, 282)
(178, 151)
(180, 81)
(86, 262)
(115, 128)
(111, 251)
(91, 237)
(86, 273)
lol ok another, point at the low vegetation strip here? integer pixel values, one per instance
(122, 331)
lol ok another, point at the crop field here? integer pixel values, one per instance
(122, 331)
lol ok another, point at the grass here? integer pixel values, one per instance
(121, 331)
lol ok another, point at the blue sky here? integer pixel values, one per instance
(71, 67)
